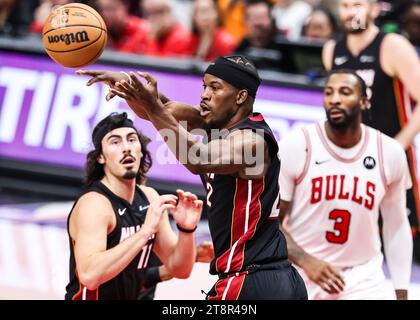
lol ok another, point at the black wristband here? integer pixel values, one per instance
(185, 230)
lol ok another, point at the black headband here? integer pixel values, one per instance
(103, 130)
(235, 73)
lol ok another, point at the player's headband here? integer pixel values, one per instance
(118, 121)
(233, 70)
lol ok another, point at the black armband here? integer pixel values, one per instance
(186, 230)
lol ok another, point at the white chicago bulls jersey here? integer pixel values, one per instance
(336, 193)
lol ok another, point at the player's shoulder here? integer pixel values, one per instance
(150, 192)
(391, 147)
(394, 41)
(93, 197)
(93, 202)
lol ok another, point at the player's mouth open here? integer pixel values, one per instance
(204, 110)
(128, 160)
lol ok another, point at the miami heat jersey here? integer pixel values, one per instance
(243, 214)
(337, 193)
(127, 284)
(390, 105)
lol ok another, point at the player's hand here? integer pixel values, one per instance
(324, 275)
(205, 252)
(139, 97)
(188, 211)
(107, 77)
(156, 209)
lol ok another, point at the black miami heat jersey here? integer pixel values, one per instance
(129, 219)
(387, 109)
(243, 214)
(390, 104)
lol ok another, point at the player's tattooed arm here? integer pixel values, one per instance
(320, 272)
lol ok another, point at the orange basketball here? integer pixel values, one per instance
(74, 35)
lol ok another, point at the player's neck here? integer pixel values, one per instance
(357, 42)
(344, 137)
(239, 116)
(123, 188)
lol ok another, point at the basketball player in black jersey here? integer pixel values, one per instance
(117, 222)
(250, 251)
(391, 68)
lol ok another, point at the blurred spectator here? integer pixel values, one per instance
(42, 12)
(260, 45)
(126, 32)
(15, 17)
(320, 26)
(410, 23)
(209, 40)
(166, 37)
(182, 11)
(232, 16)
(290, 16)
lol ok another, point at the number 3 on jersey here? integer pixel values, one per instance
(341, 226)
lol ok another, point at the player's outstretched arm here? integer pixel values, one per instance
(121, 82)
(318, 271)
(243, 152)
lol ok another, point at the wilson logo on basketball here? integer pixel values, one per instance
(69, 38)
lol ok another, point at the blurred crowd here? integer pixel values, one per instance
(205, 29)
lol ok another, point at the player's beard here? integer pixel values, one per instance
(349, 118)
(130, 174)
(359, 28)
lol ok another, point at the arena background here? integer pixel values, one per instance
(46, 116)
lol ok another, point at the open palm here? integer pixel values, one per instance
(188, 211)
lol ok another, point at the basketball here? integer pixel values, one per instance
(74, 35)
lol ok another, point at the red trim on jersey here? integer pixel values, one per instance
(233, 258)
(257, 118)
(90, 294)
(235, 283)
(414, 177)
(308, 157)
(401, 96)
(381, 159)
(405, 106)
(337, 156)
(78, 294)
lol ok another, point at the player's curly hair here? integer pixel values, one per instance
(94, 171)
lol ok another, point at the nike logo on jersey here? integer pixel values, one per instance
(121, 211)
(367, 59)
(321, 162)
(141, 208)
(340, 60)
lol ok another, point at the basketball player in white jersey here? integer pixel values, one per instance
(335, 176)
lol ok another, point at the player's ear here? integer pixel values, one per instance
(364, 103)
(101, 159)
(241, 96)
